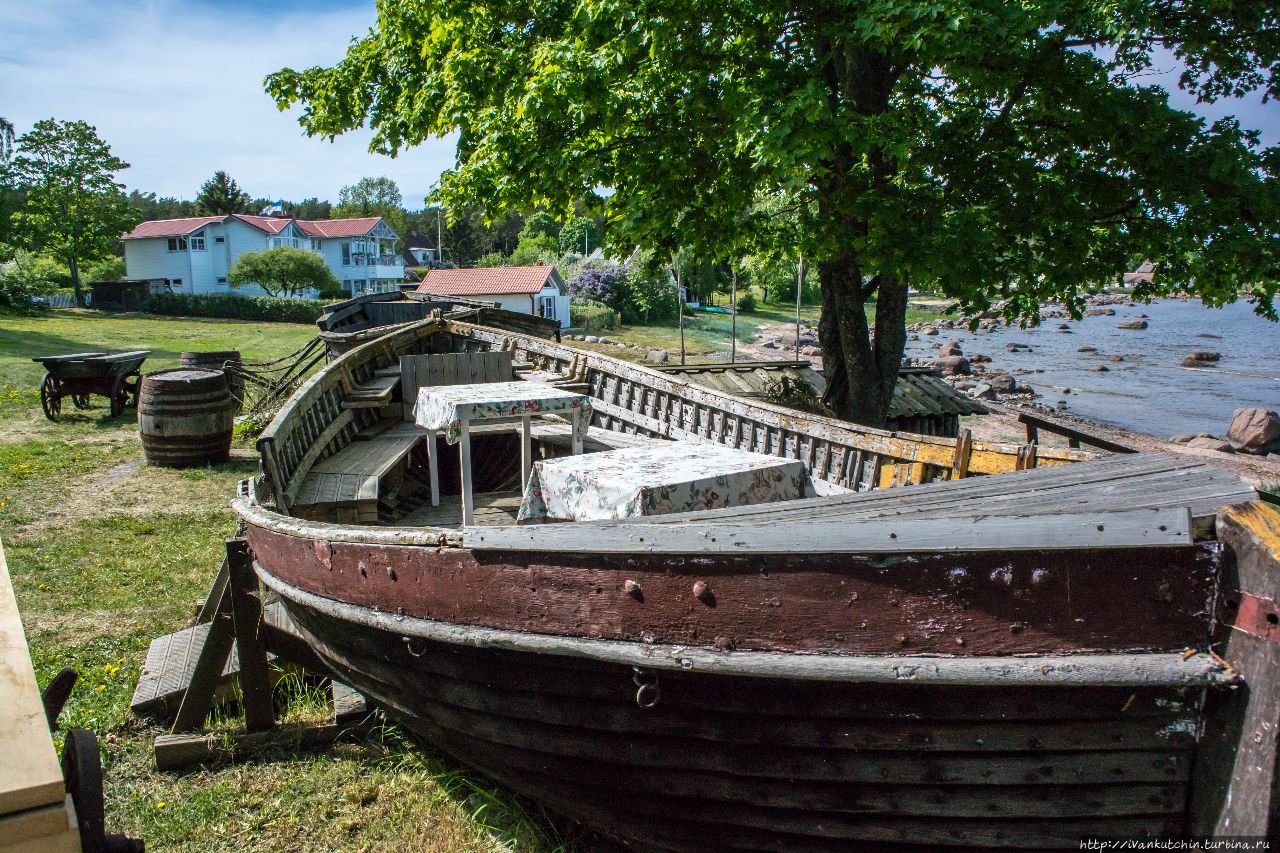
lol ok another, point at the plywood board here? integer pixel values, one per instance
(29, 772)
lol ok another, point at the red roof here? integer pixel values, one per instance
(339, 227)
(269, 224)
(486, 281)
(171, 227)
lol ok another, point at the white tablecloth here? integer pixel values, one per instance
(443, 408)
(654, 480)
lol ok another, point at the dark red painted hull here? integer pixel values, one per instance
(744, 763)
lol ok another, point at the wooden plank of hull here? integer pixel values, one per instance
(1003, 603)
(671, 789)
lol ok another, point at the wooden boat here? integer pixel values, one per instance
(1011, 653)
(363, 318)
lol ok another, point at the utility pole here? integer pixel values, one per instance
(733, 306)
(799, 287)
(439, 235)
(680, 309)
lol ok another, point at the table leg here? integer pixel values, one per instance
(434, 465)
(464, 455)
(526, 450)
(579, 427)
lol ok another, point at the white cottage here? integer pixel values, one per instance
(538, 291)
(194, 255)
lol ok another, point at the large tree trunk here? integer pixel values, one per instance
(75, 281)
(861, 368)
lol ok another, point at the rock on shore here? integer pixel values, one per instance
(1255, 431)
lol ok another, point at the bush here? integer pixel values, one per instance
(493, 259)
(603, 284)
(535, 250)
(266, 309)
(590, 316)
(746, 303)
(108, 269)
(26, 276)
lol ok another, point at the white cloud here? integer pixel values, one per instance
(176, 89)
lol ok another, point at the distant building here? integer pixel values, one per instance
(1143, 274)
(538, 291)
(195, 255)
(419, 250)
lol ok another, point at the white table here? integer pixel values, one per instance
(662, 478)
(450, 409)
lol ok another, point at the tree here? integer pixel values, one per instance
(580, 234)
(7, 133)
(74, 206)
(222, 196)
(282, 271)
(987, 151)
(540, 224)
(310, 208)
(372, 197)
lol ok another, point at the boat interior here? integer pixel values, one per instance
(345, 449)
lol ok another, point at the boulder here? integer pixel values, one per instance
(982, 391)
(1002, 383)
(1132, 324)
(930, 331)
(979, 359)
(1255, 431)
(953, 365)
(1191, 361)
(1087, 349)
(656, 356)
(1205, 442)
(810, 350)
(1100, 368)
(591, 339)
(1205, 356)
(1181, 438)
(605, 340)
(952, 348)
(770, 344)
(1100, 312)
(1115, 358)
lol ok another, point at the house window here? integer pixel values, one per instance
(177, 282)
(547, 307)
(317, 245)
(177, 244)
(219, 239)
(346, 254)
(222, 280)
(197, 243)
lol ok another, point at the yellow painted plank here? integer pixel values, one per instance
(29, 773)
(1260, 519)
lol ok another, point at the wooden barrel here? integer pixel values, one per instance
(185, 417)
(217, 360)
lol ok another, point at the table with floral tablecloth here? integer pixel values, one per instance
(450, 409)
(663, 478)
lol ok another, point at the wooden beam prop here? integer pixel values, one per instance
(1236, 792)
(175, 751)
(198, 699)
(246, 608)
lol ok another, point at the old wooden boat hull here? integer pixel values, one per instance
(697, 686)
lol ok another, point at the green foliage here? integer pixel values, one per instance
(110, 268)
(493, 259)
(29, 275)
(372, 197)
(580, 234)
(534, 250)
(267, 309)
(540, 224)
(148, 206)
(591, 316)
(74, 206)
(282, 271)
(988, 151)
(746, 303)
(221, 196)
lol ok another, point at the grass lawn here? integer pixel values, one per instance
(712, 333)
(107, 553)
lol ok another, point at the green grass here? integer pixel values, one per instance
(107, 553)
(712, 333)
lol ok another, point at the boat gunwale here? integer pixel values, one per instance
(1116, 669)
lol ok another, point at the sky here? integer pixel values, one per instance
(175, 87)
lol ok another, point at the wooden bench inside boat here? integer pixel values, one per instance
(351, 483)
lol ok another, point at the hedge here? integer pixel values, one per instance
(590, 316)
(266, 309)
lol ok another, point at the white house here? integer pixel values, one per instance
(194, 255)
(539, 291)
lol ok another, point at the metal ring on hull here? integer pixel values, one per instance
(1108, 670)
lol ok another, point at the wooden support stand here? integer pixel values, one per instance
(237, 621)
(1236, 791)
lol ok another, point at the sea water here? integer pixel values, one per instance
(1149, 391)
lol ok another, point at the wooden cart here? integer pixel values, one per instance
(113, 375)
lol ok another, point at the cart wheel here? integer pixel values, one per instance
(50, 397)
(81, 401)
(119, 400)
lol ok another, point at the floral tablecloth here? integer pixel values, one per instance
(664, 478)
(443, 408)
